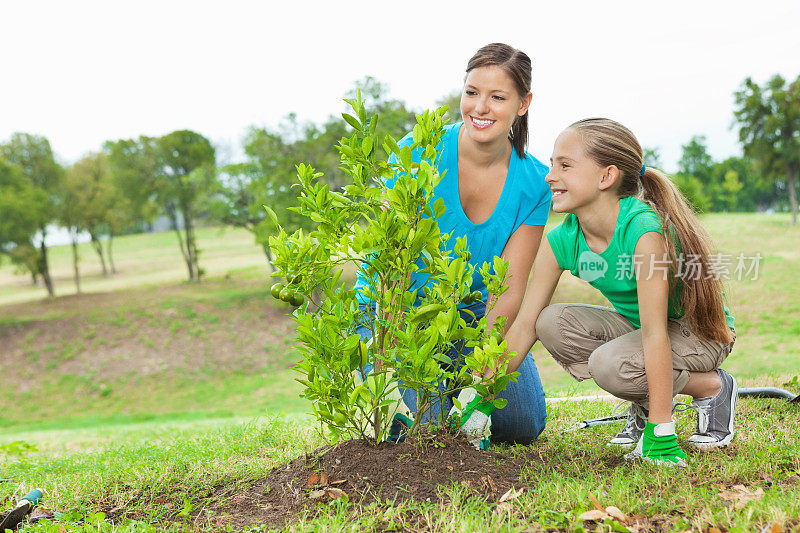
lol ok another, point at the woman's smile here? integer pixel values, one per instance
(481, 123)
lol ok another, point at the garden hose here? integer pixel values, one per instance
(753, 392)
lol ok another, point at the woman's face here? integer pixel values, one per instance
(490, 103)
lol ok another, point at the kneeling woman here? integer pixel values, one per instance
(495, 196)
(630, 234)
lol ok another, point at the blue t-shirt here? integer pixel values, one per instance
(525, 199)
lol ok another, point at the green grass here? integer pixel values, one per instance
(143, 259)
(219, 348)
(152, 469)
(150, 439)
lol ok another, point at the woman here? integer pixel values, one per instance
(495, 196)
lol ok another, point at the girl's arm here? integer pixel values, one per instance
(522, 333)
(520, 251)
(652, 285)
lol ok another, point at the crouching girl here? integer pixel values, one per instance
(631, 235)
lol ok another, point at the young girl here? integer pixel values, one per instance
(495, 195)
(630, 234)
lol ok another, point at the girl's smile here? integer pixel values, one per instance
(574, 178)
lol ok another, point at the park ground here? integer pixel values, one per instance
(133, 403)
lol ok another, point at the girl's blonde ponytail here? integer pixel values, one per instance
(610, 143)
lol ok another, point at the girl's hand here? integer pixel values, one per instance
(521, 336)
(652, 287)
(660, 445)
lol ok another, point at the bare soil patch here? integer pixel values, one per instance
(415, 470)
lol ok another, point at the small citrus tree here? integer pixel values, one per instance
(383, 225)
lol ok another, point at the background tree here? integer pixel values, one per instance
(96, 202)
(769, 129)
(724, 186)
(175, 173)
(74, 200)
(33, 156)
(652, 157)
(185, 173)
(266, 178)
(132, 165)
(756, 192)
(695, 159)
(24, 210)
(694, 170)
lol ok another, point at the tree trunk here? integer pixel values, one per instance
(75, 270)
(191, 243)
(44, 268)
(98, 247)
(173, 217)
(268, 253)
(792, 197)
(110, 255)
(191, 238)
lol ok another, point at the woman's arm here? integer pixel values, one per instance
(522, 333)
(652, 285)
(520, 251)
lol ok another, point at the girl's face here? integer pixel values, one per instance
(490, 103)
(575, 179)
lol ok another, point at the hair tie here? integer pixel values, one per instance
(641, 172)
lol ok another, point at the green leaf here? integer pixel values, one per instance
(499, 403)
(366, 146)
(438, 208)
(405, 157)
(272, 215)
(427, 312)
(392, 144)
(353, 121)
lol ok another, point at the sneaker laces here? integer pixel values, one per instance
(635, 412)
(620, 408)
(701, 408)
(702, 416)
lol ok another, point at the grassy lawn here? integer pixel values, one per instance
(156, 471)
(144, 259)
(147, 391)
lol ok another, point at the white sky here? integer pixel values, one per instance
(82, 72)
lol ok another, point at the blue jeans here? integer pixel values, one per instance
(519, 422)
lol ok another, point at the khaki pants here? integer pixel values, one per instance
(596, 342)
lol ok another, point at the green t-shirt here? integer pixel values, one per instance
(613, 271)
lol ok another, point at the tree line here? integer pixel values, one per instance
(130, 182)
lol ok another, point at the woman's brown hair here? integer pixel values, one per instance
(610, 143)
(517, 65)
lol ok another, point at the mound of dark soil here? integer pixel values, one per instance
(364, 473)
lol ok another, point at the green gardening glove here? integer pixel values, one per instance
(474, 418)
(659, 445)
